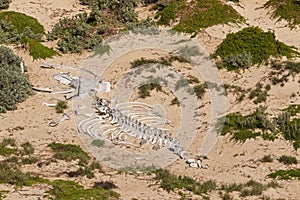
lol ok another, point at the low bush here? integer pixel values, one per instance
(63, 189)
(61, 106)
(285, 10)
(267, 158)
(11, 174)
(285, 174)
(200, 90)
(14, 87)
(69, 152)
(258, 44)
(175, 101)
(197, 15)
(288, 160)
(98, 143)
(76, 34)
(144, 90)
(249, 126)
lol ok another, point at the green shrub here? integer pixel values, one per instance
(285, 174)
(82, 171)
(69, 152)
(197, 15)
(98, 143)
(291, 131)
(107, 185)
(170, 182)
(193, 79)
(101, 49)
(175, 101)
(28, 149)
(37, 50)
(266, 158)
(145, 27)
(288, 160)
(253, 40)
(246, 127)
(143, 61)
(200, 90)
(4, 4)
(293, 109)
(230, 187)
(29, 160)
(285, 9)
(14, 87)
(61, 106)
(144, 90)
(11, 174)
(62, 189)
(8, 147)
(21, 21)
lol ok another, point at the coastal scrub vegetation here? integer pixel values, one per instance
(85, 31)
(11, 173)
(172, 182)
(285, 10)
(259, 124)
(69, 152)
(64, 189)
(251, 46)
(285, 174)
(196, 15)
(14, 86)
(18, 28)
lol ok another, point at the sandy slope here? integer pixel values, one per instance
(228, 162)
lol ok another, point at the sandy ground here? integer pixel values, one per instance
(228, 161)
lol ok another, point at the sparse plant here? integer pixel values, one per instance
(285, 174)
(8, 147)
(63, 189)
(107, 185)
(175, 101)
(101, 49)
(29, 160)
(197, 15)
(28, 149)
(11, 174)
(193, 79)
(144, 90)
(267, 158)
(18, 28)
(200, 90)
(61, 106)
(98, 143)
(181, 84)
(288, 160)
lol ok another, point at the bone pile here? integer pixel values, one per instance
(124, 122)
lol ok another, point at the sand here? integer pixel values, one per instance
(228, 161)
